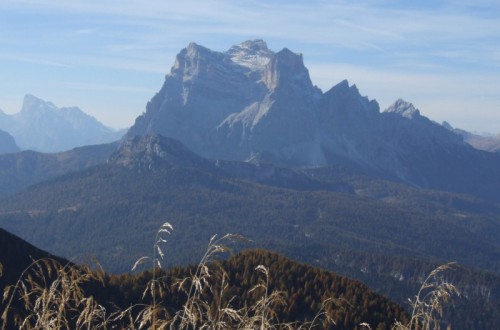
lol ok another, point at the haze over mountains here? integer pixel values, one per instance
(486, 142)
(22, 169)
(113, 210)
(242, 141)
(42, 126)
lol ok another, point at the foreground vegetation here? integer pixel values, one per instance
(253, 290)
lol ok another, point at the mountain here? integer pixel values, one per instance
(7, 143)
(430, 156)
(489, 143)
(303, 287)
(250, 103)
(44, 127)
(16, 255)
(114, 209)
(22, 169)
(155, 151)
(219, 104)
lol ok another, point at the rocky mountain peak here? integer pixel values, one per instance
(154, 151)
(42, 126)
(257, 45)
(287, 68)
(252, 54)
(345, 103)
(193, 50)
(192, 60)
(343, 89)
(447, 125)
(33, 105)
(404, 109)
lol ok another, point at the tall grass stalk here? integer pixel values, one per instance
(52, 297)
(428, 305)
(150, 312)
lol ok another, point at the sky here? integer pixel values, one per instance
(110, 57)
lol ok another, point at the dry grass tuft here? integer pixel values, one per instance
(427, 306)
(49, 295)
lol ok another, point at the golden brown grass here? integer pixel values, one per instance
(51, 296)
(427, 306)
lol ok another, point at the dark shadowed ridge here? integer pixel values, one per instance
(16, 255)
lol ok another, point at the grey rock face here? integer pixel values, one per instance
(404, 109)
(252, 104)
(233, 104)
(44, 127)
(152, 152)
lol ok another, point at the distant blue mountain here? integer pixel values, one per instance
(42, 126)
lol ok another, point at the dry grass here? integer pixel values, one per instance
(52, 297)
(51, 294)
(427, 306)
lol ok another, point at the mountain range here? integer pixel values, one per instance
(151, 178)
(486, 142)
(41, 126)
(250, 103)
(22, 169)
(242, 141)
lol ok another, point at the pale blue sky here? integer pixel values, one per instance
(109, 57)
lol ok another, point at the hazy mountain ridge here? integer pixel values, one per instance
(484, 142)
(250, 103)
(42, 126)
(7, 143)
(22, 169)
(184, 186)
(154, 152)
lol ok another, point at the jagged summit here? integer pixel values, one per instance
(255, 46)
(447, 125)
(33, 104)
(42, 126)
(154, 151)
(404, 109)
(252, 54)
